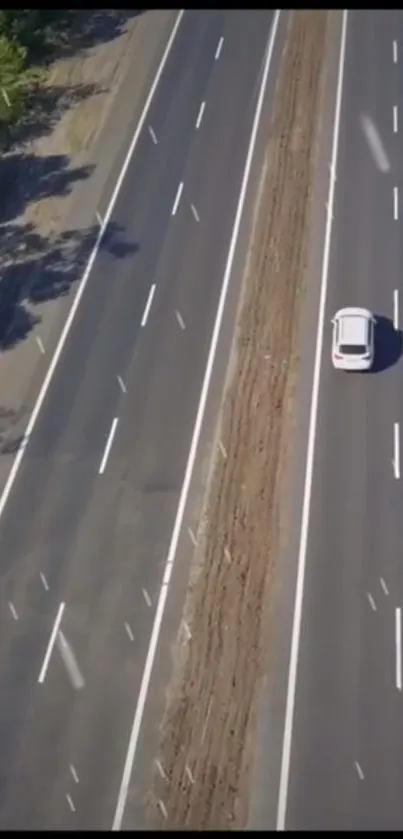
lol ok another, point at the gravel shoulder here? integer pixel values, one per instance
(208, 735)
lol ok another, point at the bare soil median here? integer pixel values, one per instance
(207, 736)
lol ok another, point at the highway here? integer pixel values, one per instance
(346, 749)
(86, 529)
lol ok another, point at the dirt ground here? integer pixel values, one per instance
(207, 736)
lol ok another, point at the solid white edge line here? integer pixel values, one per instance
(108, 446)
(398, 640)
(396, 308)
(299, 593)
(147, 307)
(83, 282)
(396, 450)
(142, 697)
(51, 643)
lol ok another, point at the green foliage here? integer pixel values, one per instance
(14, 80)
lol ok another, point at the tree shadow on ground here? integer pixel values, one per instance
(27, 178)
(11, 434)
(34, 269)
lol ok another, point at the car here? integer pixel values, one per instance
(353, 344)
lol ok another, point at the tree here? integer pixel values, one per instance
(15, 80)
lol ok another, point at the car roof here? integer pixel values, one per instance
(353, 327)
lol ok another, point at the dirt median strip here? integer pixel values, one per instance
(207, 736)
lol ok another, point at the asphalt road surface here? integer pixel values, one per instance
(346, 760)
(90, 515)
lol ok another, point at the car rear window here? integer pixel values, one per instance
(353, 349)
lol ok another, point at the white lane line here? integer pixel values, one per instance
(51, 643)
(396, 308)
(148, 305)
(195, 213)
(384, 586)
(40, 345)
(180, 320)
(192, 537)
(302, 554)
(122, 384)
(70, 803)
(44, 581)
(70, 662)
(74, 773)
(200, 116)
(84, 280)
(153, 137)
(371, 601)
(99, 218)
(178, 198)
(219, 48)
(147, 597)
(395, 119)
(373, 138)
(129, 631)
(395, 52)
(395, 203)
(396, 450)
(152, 648)
(398, 642)
(13, 610)
(108, 446)
(359, 770)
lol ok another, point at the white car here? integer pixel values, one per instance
(353, 339)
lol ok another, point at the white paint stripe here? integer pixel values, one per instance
(180, 320)
(51, 644)
(44, 582)
(384, 586)
(359, 770)
(192, 536)
(70, 662)
(398, 642)
(396, 450)
(148, 305)
(74, 773)
(200, 116)
(395, 52)
(122, 384)
(153, 137)
(40, 345)
(70, 803)
(177, 199)
(13, 610)
(396, 308)
(195, 213)
(375, 144)
(99, 218)
(219, 48)
(108, 446)
(129, 631)
(395, 119)
(302, 554)
(147, 597)
(371, 601)
(83, 283)
(395, 203)
(145, 682)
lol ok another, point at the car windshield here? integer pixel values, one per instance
(353, 349)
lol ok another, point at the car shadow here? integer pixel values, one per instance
(388, 344)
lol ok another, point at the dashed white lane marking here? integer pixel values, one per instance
(395, 52)
(44, 581)
(395, 203)
(51, 644)
(74, 773)
(178, 198)
(395, 119)
(371, 601)
(147, 597)
(194, 445)
(192, 536)
(70, 803)
(122, 384)
(384, 586)
(99, 218)
(108, 446)
(375, 144)
(396, 308)
(70, 662)
(153, 137)
(200, 115)
(129, 631)
(161, 772)
(195, 213)
(40, 345)
(13, 610)
(180, 319)
(219, 48)
(162, 807)
(398, 645)
(148, 305)
(359, 770)
(396, 450)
